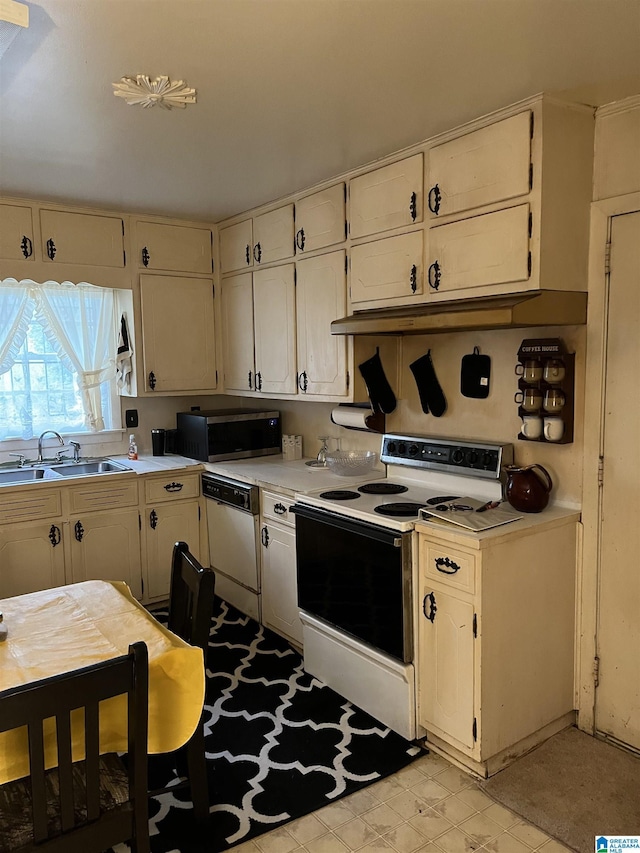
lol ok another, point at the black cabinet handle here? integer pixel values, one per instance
(51, 249)
(248, 254)
(258, 381)
(413, 278)
(153, 519)
(279, 509)
(54, 535)
(413, 207)
(431, 615)
(434, 199)
(264, 537)
(257, 252)
(152, 381)
(27, 246)
(146, 257)
(174, 487)
(303, 383)
(250, 377)
(79, 531)
(434, 275)
(300, 239)
(446, 566)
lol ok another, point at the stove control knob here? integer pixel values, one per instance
(472, 457)
(457, 456)
(402, 448)
(391, 448)
(413, 450)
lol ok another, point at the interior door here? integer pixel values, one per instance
(617, 711)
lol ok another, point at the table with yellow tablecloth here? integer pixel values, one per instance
(62, 629)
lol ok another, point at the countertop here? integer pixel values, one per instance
(272, 472)
(157, 464)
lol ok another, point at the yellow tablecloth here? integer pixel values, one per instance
(68, 627)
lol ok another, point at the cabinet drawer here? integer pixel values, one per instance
(448, 566)
(31, 505)
(92, 496)
(172, 487)
(277, 508)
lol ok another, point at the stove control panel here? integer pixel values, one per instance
(472, 458)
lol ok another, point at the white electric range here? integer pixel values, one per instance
(356, 567)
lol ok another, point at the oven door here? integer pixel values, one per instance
(356, 577)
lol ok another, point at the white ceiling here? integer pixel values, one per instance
(290, 92)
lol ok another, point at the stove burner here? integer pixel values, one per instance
(442, 499)
(382, 489)
(403, 509)
(340, 495)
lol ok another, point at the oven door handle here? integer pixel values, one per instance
(361, 528)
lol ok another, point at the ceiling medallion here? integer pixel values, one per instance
(149, 93)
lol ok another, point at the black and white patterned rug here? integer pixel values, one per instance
(279, 743)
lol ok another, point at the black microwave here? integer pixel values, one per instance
(215, 435)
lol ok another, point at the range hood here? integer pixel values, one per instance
(513, 311)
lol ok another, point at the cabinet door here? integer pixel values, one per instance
(176, 248)
(321, 296)
(106, 546)
(236, 246)
(482, 250)
(237, 332)
(446, 671)
(279, 583)
(387, 198)
(178, 334)
(388, 269)
(165, 525)
(274, 319)
(82, 238)
(31, 557)
(16, 233)
(321, 219)
(273, 235)
(489, 165)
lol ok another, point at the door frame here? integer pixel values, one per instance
(596, 340)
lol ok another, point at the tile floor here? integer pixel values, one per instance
(428, 807)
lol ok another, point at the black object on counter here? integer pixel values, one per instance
(380, 392)
(432, 397)
(157, 442)
(475, 374)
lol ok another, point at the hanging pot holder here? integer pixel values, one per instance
(475, 375)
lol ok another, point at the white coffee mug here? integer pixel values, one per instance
(531, 426)
(553, 429)
(553, 371)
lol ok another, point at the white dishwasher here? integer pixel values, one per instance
(232, 523)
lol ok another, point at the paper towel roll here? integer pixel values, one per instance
(352, 418)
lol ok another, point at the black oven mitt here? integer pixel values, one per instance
(432, 397)
(380, 393)
(475, 373)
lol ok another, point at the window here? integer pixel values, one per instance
(57, 358)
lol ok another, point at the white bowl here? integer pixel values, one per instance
(351, 463)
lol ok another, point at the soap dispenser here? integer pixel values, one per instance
(133, 447)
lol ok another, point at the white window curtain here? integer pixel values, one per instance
(80, 323)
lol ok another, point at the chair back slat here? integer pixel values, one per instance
(65, 771)
(191, 597)
(92, 759)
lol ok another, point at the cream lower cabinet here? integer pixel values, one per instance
(495, 626)
(171, 514)
(279, 578)
(31, 557)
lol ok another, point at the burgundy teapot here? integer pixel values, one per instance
(526, 489)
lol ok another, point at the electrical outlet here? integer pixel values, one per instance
(131, 417)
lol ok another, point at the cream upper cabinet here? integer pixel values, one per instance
(388, 269)
(236, 247)
(274, 314)
(488, 165)
(16, 232)
(273, 235)
(237, 325)
(390, 197)
(175, 248)
(495, 657)
(321, 219)
(321, 296)
(178, 333)
(82, 238)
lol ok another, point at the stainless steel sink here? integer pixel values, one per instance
(21, 475)
(98, 466)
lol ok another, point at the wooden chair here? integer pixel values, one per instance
(85, 806)
(190, 608)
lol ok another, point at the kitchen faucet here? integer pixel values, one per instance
(47, 432)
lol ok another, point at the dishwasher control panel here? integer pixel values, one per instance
(240, 495)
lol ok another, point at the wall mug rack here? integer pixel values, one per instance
(546, 389)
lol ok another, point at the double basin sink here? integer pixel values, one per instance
(55, 471)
